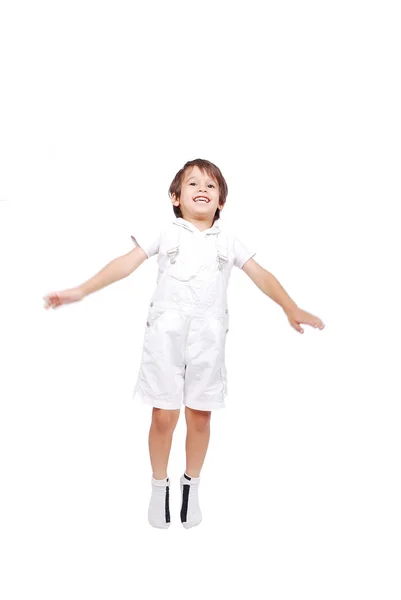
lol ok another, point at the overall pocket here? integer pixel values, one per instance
(225, 320)
(154, 313)
(183, 269)
(223, 376)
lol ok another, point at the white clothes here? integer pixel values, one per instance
(183, 356)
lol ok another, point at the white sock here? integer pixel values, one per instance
(159, 505)
(190, 511)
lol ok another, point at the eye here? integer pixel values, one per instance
(211, 185)
(192, 183)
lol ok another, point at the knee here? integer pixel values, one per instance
(199, 420)
(164, 420)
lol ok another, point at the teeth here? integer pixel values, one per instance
(201, 199)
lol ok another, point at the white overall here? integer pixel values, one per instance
(183, 358)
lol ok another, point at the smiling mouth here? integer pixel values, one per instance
(201, 199)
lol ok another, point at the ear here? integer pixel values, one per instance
(174, 199)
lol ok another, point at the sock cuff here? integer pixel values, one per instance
(161, 482)
(191, 479)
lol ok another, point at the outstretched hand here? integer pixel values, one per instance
(56, 299)
(296, 316)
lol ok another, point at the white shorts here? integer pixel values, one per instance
(183, 359)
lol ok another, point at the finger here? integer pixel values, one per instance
(318, 323)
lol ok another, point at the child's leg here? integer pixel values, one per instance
(160, 438)
(198, 435)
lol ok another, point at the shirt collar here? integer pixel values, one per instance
(187, 225)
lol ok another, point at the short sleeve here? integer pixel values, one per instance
(242, 253)
(148, 240)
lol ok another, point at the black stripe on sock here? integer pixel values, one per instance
(187, 477)
(167, 504)
(184, 507)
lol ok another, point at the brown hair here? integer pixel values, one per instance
(213, 172)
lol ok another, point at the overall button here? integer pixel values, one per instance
(151, 304)
(226, 311)
(148, 324)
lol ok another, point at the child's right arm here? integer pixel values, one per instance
(114, 271)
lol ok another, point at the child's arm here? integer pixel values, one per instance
(114, 271)
(272, 288)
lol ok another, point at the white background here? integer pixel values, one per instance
(298, 103)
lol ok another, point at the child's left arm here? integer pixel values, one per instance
(272, 288)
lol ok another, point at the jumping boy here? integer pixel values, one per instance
(183, 356)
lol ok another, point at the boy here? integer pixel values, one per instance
(183, 355)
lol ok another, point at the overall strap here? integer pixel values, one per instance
(222, 250)
(173, 242)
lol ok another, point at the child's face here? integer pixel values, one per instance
(195, 185)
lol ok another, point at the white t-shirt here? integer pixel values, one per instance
(149, 241)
